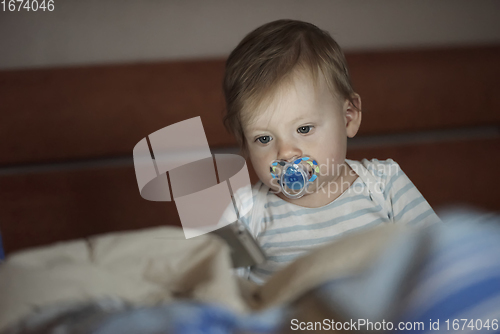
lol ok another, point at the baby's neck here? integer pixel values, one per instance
(322, 197)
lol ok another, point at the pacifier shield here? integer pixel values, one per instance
(294, 177)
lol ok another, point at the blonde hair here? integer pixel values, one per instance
(268, 56)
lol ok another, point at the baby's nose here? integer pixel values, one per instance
(289, 152)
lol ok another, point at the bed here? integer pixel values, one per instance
(67, 179)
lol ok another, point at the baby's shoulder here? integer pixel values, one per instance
(379, 168)
(375, 170)
(257, 202)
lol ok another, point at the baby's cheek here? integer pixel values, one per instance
(273, 185)
(263, 173)
(266, 177)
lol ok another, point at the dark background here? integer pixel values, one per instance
(73, 106)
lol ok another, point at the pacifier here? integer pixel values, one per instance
(294, 177)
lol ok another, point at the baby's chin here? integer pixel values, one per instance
(273, 185)
(276, 189)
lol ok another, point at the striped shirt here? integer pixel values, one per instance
(381, 194)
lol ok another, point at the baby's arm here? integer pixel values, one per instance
(407, 203)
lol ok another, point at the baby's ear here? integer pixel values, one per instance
(353, 115)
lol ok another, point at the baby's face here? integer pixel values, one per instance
(301, 121)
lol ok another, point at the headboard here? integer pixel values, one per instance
(67, 134)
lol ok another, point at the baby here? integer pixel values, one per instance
(290, 102)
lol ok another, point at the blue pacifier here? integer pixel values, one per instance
(294, 177)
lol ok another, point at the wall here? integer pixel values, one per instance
(427, 71)
(114, 31)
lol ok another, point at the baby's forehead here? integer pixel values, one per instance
(293, 98)
(268, 111)
(272, 118)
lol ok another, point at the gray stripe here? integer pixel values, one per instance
(303, 242)
(328, 223)
(245, 220)
(389, 185)
(316, 241)
(420, 217)
(401, 192)
(308, 211)
(262, 271)
(284, 258)
(408, 207)
(376, 172)
(276, 203)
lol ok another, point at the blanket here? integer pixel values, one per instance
(158, 265)
(377, 274)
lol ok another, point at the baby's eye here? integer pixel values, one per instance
(304, 129)
(264, 139)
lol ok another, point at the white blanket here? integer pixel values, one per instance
(157, 265)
